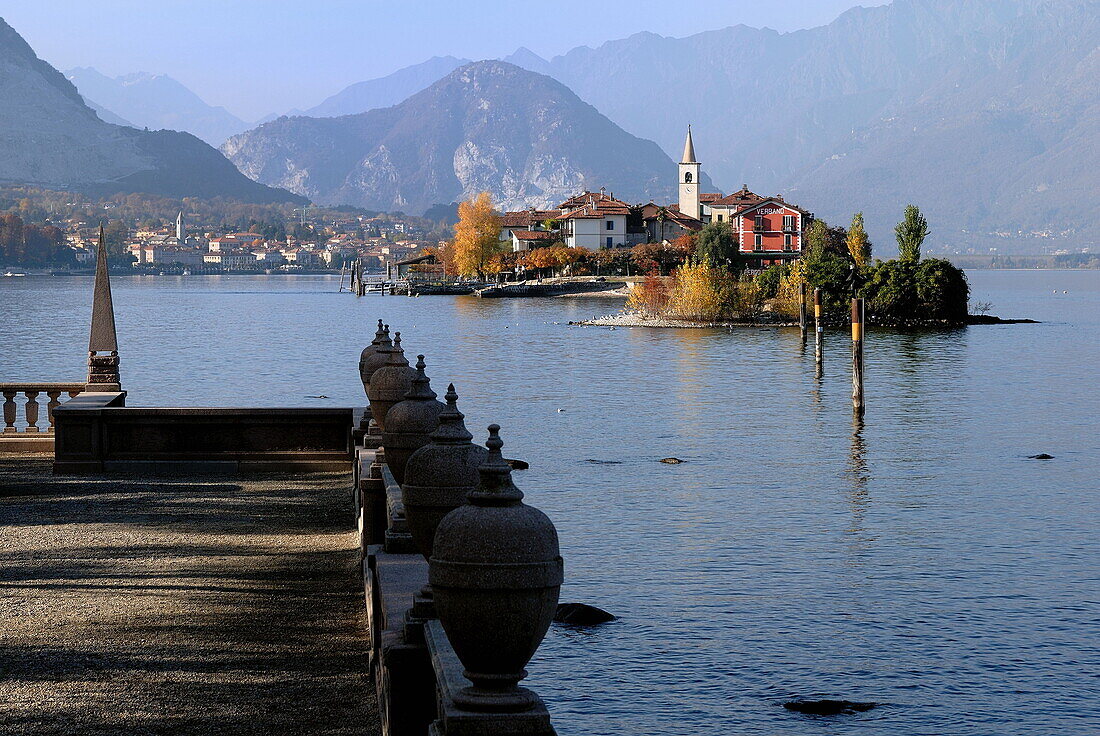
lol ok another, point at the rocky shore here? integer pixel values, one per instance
(636, 319)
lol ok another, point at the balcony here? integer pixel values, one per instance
(760, 226)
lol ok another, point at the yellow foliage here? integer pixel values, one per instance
(699, 291)
(786, 299)
(477, 237)
(859, 245)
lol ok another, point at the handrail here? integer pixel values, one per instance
(31, 408)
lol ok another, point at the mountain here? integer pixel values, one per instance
(156, 101)
(50, 138)
(487, 126)
(983, 112)
(107, 116)
(978, 110)
(525, 58)
(388, 90)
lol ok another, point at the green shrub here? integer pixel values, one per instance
(769, 279)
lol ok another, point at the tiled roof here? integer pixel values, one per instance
(533, 235)
(741, 198)
(527, 218)
(605, 202)
(710, 197)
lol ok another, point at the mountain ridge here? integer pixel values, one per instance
(156, 101)
(487, 126)
(49, 137)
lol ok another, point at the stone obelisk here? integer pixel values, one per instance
(102, 369)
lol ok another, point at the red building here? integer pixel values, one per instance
(767, 226)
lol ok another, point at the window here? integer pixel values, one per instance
(788, 222)
(788, 241)
(610, 224)
(759, 226)
(759, 244)
(609, 242)
(719, 218)
(687, 178)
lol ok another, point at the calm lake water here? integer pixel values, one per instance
(922, 562)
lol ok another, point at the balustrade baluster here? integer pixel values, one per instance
(55, 400)
(30, 410)
(9, 412)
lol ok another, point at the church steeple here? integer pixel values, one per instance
(689, 180)
(689, 150)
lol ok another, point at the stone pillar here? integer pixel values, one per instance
(103, 374)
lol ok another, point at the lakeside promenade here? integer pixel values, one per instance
(181, 604)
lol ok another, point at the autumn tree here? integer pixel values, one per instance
(859, 245)
(911, 233)
(477, 236)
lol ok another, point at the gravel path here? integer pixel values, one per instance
(182, 605)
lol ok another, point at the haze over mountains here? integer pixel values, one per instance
(488, 126)
(155, 101)
(985, 112)
(50, 138)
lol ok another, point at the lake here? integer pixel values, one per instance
(920, 560)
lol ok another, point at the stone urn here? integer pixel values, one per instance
(496, 572)
(439, 475)
(367, 367)
(410, 422)
(390, 383)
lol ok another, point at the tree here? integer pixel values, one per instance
(859, 245)
(716, 245)
(661, 255)
(662, 218)
(115, 233)
(477, 236)
(821, 236)
(911, 233)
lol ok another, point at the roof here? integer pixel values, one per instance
(593, 206)
(601, 200)
(527, 218)
(769, 200)
(532, 235)
(710, 197)
(741, 198)
(429, 258)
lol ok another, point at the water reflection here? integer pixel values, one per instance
(858, 473)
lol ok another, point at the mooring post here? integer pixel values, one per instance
(819, 330)
(857, 356)
(802, 310)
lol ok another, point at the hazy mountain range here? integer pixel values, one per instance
(487, 126)
(50, 138)
(982, 111)
(154, 101)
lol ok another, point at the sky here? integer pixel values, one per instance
(256, 57)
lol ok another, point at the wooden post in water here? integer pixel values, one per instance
(819, 330)
(857, 356)
(802, 310)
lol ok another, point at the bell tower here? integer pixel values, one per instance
(689, 180)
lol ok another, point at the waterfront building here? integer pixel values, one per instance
(594, 220)
(527, 239)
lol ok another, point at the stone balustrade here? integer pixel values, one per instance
(24, 415)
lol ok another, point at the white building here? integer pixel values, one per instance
(594, 220)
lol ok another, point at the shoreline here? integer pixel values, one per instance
(633, 319)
